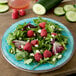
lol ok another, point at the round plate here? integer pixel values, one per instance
(48, 67)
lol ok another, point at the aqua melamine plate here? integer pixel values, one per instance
(44, 67)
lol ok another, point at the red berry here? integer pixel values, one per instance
(28, 47)
(30, 33)
(42, 25)
(34, 42)
(14, 15)
(54, 34)
(43, 33)
(37, 57)
(15, 11)
(47, 53)
(22, 13)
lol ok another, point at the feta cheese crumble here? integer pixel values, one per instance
(37, 51)
(54, 59)
(39, 31)
(31, 54)
(60, 56)
(36, 45)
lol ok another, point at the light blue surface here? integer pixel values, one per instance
(11, 58)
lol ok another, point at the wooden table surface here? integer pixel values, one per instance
(8, 70)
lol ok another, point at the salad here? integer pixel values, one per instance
(42, 42)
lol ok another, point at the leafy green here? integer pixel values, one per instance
(21, 54)
(20, 27)
(10, 38)
(12, 50)
(28, 61)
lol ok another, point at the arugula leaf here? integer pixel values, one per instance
(13, 50)
(28, 61)
(10, 38)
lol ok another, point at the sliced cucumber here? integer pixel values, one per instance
(69, 8)
(3, 1)
(71, 16)
(59, 11)
(39, 9)
(3, 8)
(42, 6)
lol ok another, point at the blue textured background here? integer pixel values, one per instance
(11, 58)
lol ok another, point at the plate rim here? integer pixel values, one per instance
(39, 71)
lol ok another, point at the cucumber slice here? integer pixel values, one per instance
(3, 1)
(39, 9)
(59, 11)
(71, 16)
(69, 8)
(4, 8)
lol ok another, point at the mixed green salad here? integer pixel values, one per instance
(42, 42)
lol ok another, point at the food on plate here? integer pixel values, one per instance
(41, 42)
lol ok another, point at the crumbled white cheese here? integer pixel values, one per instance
(39, 31)
(37, 51)
(51, 39)
(22, 46)
(34, 34)
(54, 59)
(28, 27)
(36, 45)
(31, 54)
(60, 56)
(52, 35)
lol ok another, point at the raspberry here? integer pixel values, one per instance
(34, 42)
(14, 15)
(54, 34)
(42, 25)
(30, 33)
(43, 33)
(22, 12)
(47, 53)
(28, 47)
(37, 57)
(15, 11)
